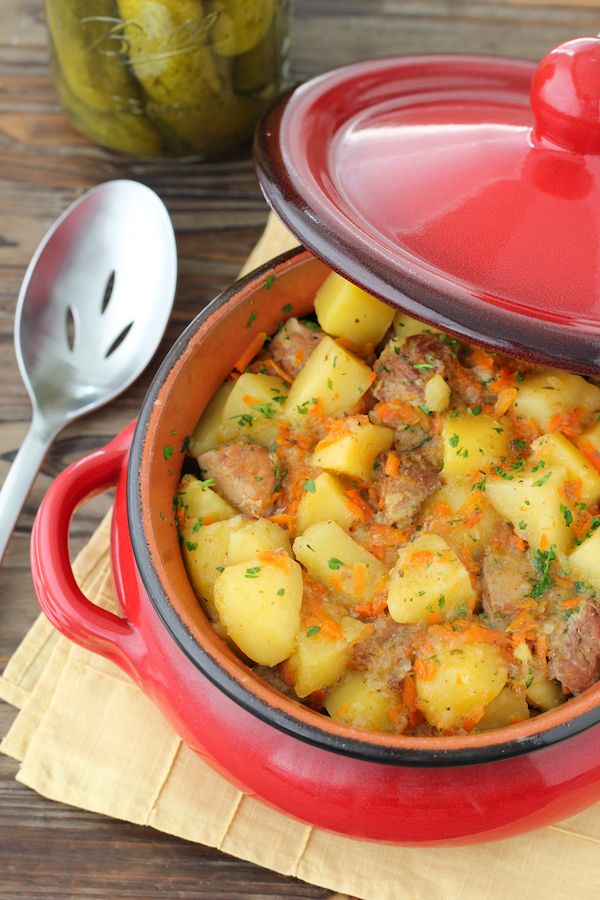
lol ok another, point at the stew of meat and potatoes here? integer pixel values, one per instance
(398, 528)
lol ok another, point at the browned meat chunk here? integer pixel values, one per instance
(387, 651)
(403, 370)
(293, 344)
(403, 494)
(243, 475)
(574, 655)
(507, 578)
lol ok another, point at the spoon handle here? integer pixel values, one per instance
(20, 478)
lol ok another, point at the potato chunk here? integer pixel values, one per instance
(333, 557)
(332, 376)
(464, 680)
(364, 701)
(345, 310)
(253, 409)
(428, 579)
(589, 444)
(197, 505)
(585, 560)
(505, 709)
(532, 504)
(556, 449)
(326, 499)
(258, 602)
(540, 691)
(354, 451)
(254, 538)
(206, 554)
(472, 443)
(205, 435)
(320, 658)
(405, 326)
(437, 394)
(547, 397)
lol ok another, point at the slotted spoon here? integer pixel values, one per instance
(92, 309)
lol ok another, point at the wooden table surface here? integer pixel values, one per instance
(49, 850)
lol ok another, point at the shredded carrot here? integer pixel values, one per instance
(358, 506)
(425, 669)
(371, 609)
(409, 698)
(570, 423)
(421, 557)
(250, 400)
(392, 464)
(544, 541)
(506, 398)
(279, 559)
(518, 543)
(504, 379)
(359, 578)
(590, 452)
(316, 410)
(470, 721)
(247, 355)
(477, 634)
(337, 430)
(442, 509)
(433, 618)
(299, 356)
(481, 358)
(270, 363)
(541, 649)
(473, 517)
(571, 603)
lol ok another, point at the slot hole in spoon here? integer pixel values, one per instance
(108, 292)
(118, 340)
(70, 328)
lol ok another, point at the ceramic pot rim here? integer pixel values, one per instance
(569, 719)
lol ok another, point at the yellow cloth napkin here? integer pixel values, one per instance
(105, 766)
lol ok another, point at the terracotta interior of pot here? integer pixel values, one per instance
(258, 305)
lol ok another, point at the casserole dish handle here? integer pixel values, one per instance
(61, 600)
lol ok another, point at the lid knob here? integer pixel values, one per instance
(565, 96)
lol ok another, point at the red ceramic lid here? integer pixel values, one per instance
(464, 189)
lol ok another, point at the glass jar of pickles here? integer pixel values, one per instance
(168, 77)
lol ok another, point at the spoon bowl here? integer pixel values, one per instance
(93, 307)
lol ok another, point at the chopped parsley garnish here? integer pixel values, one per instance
(314, 629)
(539, 465)
(269, 282)
(208, 483)
(191, 545)
(567, 515)
(542, 481)
(168, 451)
(523, 525)
(280, 592)
(251, 319)
(441, 601)
(425, 409)
(542, 561)
(335, 563)
(309, 485)
(303, 408)
(479, 485)
(198, 525)
(453, 440)
(520, 443)
(330, 384)
(185, 444)
(220, 568)
(595, 523)
(252, 572)
(287, 308)
(265, 409)
(244, 420)
(421, 366)
(308, 323)
(476, 410)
